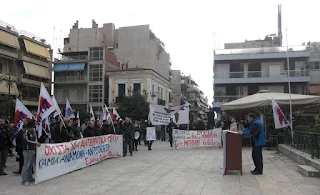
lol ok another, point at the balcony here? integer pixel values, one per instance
(75, 58)
(71, 79)
(261, 77)
(161, 102)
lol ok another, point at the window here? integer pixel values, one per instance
(121, 90)
(158, 92)
(152, 92)
(314, 66)
(30, 93)
(161, 93)
(95, 93)
(301, 89)
(97, 108)
(241, 91)
(136, 87)
(95, 72)
(96, 53)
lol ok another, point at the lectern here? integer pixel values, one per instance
(232, 151)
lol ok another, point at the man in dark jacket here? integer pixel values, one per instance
(89, 131)
(257, 139)
(128, 134)
(170, 127)
(97, 128)
(5, 144)
(19, 147)
(76, 129)
(67, 131)
(52, 129)
(107, 128)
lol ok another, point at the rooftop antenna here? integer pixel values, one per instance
(279, 25)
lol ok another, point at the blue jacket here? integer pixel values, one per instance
(256, 133)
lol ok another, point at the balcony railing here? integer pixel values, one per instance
(261, 74)
(226, 98)
(70, 78)
(75, 58)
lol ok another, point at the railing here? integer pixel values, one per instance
(308, 142)
(225, 98)
(70, 78)
(74, 58)
(260, 50)
(261, 74)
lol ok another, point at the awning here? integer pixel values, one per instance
(68, 67)
(36, 70)
(5, 90)
(36, 49)
(315, 89)
(76, 67)
(9, 39)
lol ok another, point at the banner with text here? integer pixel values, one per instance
(160, 115)
(185, 138)
(151, 133)
(53, 160)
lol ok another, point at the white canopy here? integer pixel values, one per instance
(264, 99)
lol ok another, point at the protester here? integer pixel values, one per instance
(170, 128)
(107, 128)
(163, 133)
(128, 134)
(67, 131)
(89, 131)
(76, 129)
(257, 140)
(199, 124)
(136, 141)
(56, 137)
(52, 129)
(234, 125)
(143, 131)
(150, 141)
(44, 138)
(117, 127)
(19, 147)
(5, 144)
(97, 128)
(29, 151)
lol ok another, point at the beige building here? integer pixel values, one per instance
(133, 45)
(25, 62)
(146, 81)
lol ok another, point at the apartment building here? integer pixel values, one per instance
(133, 45)
(81, 77)
(186, 90)
(25, 62)
(243, 72)
(148, 82)
(314, 68)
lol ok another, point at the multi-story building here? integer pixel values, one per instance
(133, 45)
(314, 67)
(243, 72)
(94, 58)
(148, 82)
(80, 77)
(25, 62)
(186, 90)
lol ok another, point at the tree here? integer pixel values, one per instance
(135, 107)
(4, 107)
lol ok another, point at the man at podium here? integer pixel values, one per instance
(257, 140)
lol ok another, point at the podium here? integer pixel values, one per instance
(232, 151)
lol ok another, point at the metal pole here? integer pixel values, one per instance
(289, 84)
(9, 96)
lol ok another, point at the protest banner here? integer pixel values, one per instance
(151, 134)
(185, 138)
(53, 160)
(160, 115)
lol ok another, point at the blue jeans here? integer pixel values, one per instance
(29, 159)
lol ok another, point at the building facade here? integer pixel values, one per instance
(25, 62)
(133, 45)
(242, 72)
(81, 77)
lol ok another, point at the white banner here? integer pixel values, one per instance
(186, 138)
(151, 134)
(160, 115)
(53, 160)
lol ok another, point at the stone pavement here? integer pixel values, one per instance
(165, 171)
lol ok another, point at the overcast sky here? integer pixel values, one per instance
(186, 27)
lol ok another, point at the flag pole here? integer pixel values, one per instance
(289, 85)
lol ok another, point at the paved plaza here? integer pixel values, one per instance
(165, 171)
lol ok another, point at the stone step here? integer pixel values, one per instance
(308, 171)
